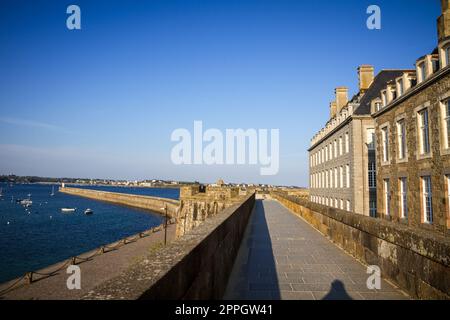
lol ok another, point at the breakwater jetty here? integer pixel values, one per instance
(155, 204)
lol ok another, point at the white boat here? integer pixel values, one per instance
(53, 191)
(88, 211)
(26, 202)
(68, 209)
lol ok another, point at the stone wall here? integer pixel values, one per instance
(200, 203)
(195, 266)
(143, 202)
(416, 260)
(430, 94)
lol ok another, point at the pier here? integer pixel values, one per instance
(155, 204)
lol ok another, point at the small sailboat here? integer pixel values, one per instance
(68, 209)
(53, 191)
(26, 202)
(1, 192)
(88, 212)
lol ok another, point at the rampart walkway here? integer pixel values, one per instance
(283, 257)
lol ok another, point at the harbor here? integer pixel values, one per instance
(41, 234)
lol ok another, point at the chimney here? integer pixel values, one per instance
(443, 22)
(333, 109)
(341, 98)
(365, 77)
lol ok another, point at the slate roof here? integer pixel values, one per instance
(379, 83)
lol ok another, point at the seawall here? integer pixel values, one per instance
(143, 202)
(416, 261)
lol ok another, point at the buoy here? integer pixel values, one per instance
(7, 222)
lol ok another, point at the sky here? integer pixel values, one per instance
(103, 101)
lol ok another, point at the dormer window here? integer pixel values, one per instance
(377, 106)
(400, 87)
(435, 65)
(422, 72)
(384, 98)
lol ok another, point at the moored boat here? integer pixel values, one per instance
(88, 212)
(68, 209)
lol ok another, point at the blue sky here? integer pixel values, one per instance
(103, 101)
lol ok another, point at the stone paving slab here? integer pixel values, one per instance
(283, 257)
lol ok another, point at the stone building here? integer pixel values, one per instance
(412, 119)
(342, 154)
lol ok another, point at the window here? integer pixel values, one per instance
(447, 181)
(331, 178)
(377, 106)
(336, 204)
(387, 197)
(326, 153)
(447, 123)
(435, 65)
(427, 200)
(447, 55)
(326, 179)
(384, 98)
(348, 205)
(340, 146)
(347, 143)
(403, 198)
(342, 204)
(422, 71)
(341, 177)
(373, 208)
(335, 177)
(401, 139)
(400, 87)
(347, 175)
(335, 149)
(331, 151)
(385, 140)
(371, 139)
(372, 175)
(424, 135)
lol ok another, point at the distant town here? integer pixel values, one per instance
(148, 183)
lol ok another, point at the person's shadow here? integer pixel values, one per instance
(337, 292)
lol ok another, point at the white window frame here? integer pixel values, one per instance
(385, 143)
(401, 139)
(446, 122)
(424, 131)
(336, 181)
(372, 174)
(347, 143)
(427, 200)
(387, 197)
(403, 197)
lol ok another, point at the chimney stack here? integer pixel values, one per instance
(333, 109)
(341, 98)
(443, 22)
(365, 77)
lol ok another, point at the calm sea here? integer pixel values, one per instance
(43, 235)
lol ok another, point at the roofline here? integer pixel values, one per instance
(414, 90)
